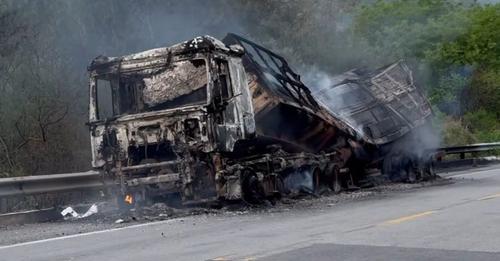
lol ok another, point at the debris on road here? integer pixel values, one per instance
(70, 213)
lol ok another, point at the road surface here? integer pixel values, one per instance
(460, 221)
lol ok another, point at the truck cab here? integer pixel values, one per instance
(158, 118)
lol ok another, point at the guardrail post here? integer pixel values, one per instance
(462, 155)
(3, 205)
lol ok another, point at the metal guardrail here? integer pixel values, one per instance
(29, 185)
(472, 148)
(51, 183)
(93, 179)
(35, 198)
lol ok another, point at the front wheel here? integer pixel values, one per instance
(252, 189)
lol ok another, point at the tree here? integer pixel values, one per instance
(479, 47)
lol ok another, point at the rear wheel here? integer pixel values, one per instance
(411, 175)
(336, 185)
(316, 178)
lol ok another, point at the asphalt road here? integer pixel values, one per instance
(460, 221)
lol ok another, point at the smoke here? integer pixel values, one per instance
(346, 95)
(299, 181)
(336, 100)
(318, 79)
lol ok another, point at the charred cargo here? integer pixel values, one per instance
(390, 115)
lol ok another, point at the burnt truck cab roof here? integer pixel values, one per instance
(146, 60)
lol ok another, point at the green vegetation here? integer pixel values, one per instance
(455, 47)
(483, 124)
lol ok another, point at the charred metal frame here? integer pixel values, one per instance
(404, 104)
(242, 146)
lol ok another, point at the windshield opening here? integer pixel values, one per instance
(183, 83)
(105, 99)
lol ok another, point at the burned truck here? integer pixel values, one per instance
(207, 120)
(210, 120)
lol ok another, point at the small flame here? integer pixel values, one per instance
(129, 199)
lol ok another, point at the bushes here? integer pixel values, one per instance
(454, 132)
(485, 125)
(474, 127)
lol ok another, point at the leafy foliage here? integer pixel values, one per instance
(479, 46)
(407, 29)
(484, 124)
(454, 132)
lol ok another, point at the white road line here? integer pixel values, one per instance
(88, 233)
(495, 171)
(490, 197)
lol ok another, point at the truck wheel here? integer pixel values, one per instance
(387, 169)
(252, 189)
(429, 172)
(336, 185)
(316, 175)
(411, 175)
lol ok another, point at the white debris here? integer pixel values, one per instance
(119, 221)
(91, 211)
(69, 212)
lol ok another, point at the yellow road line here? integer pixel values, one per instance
(407, 218)
(220, 258)
(490, 197)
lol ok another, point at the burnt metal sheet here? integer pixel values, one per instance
(381, 105)
(274, 72)
(285, 111)
(154, 60)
